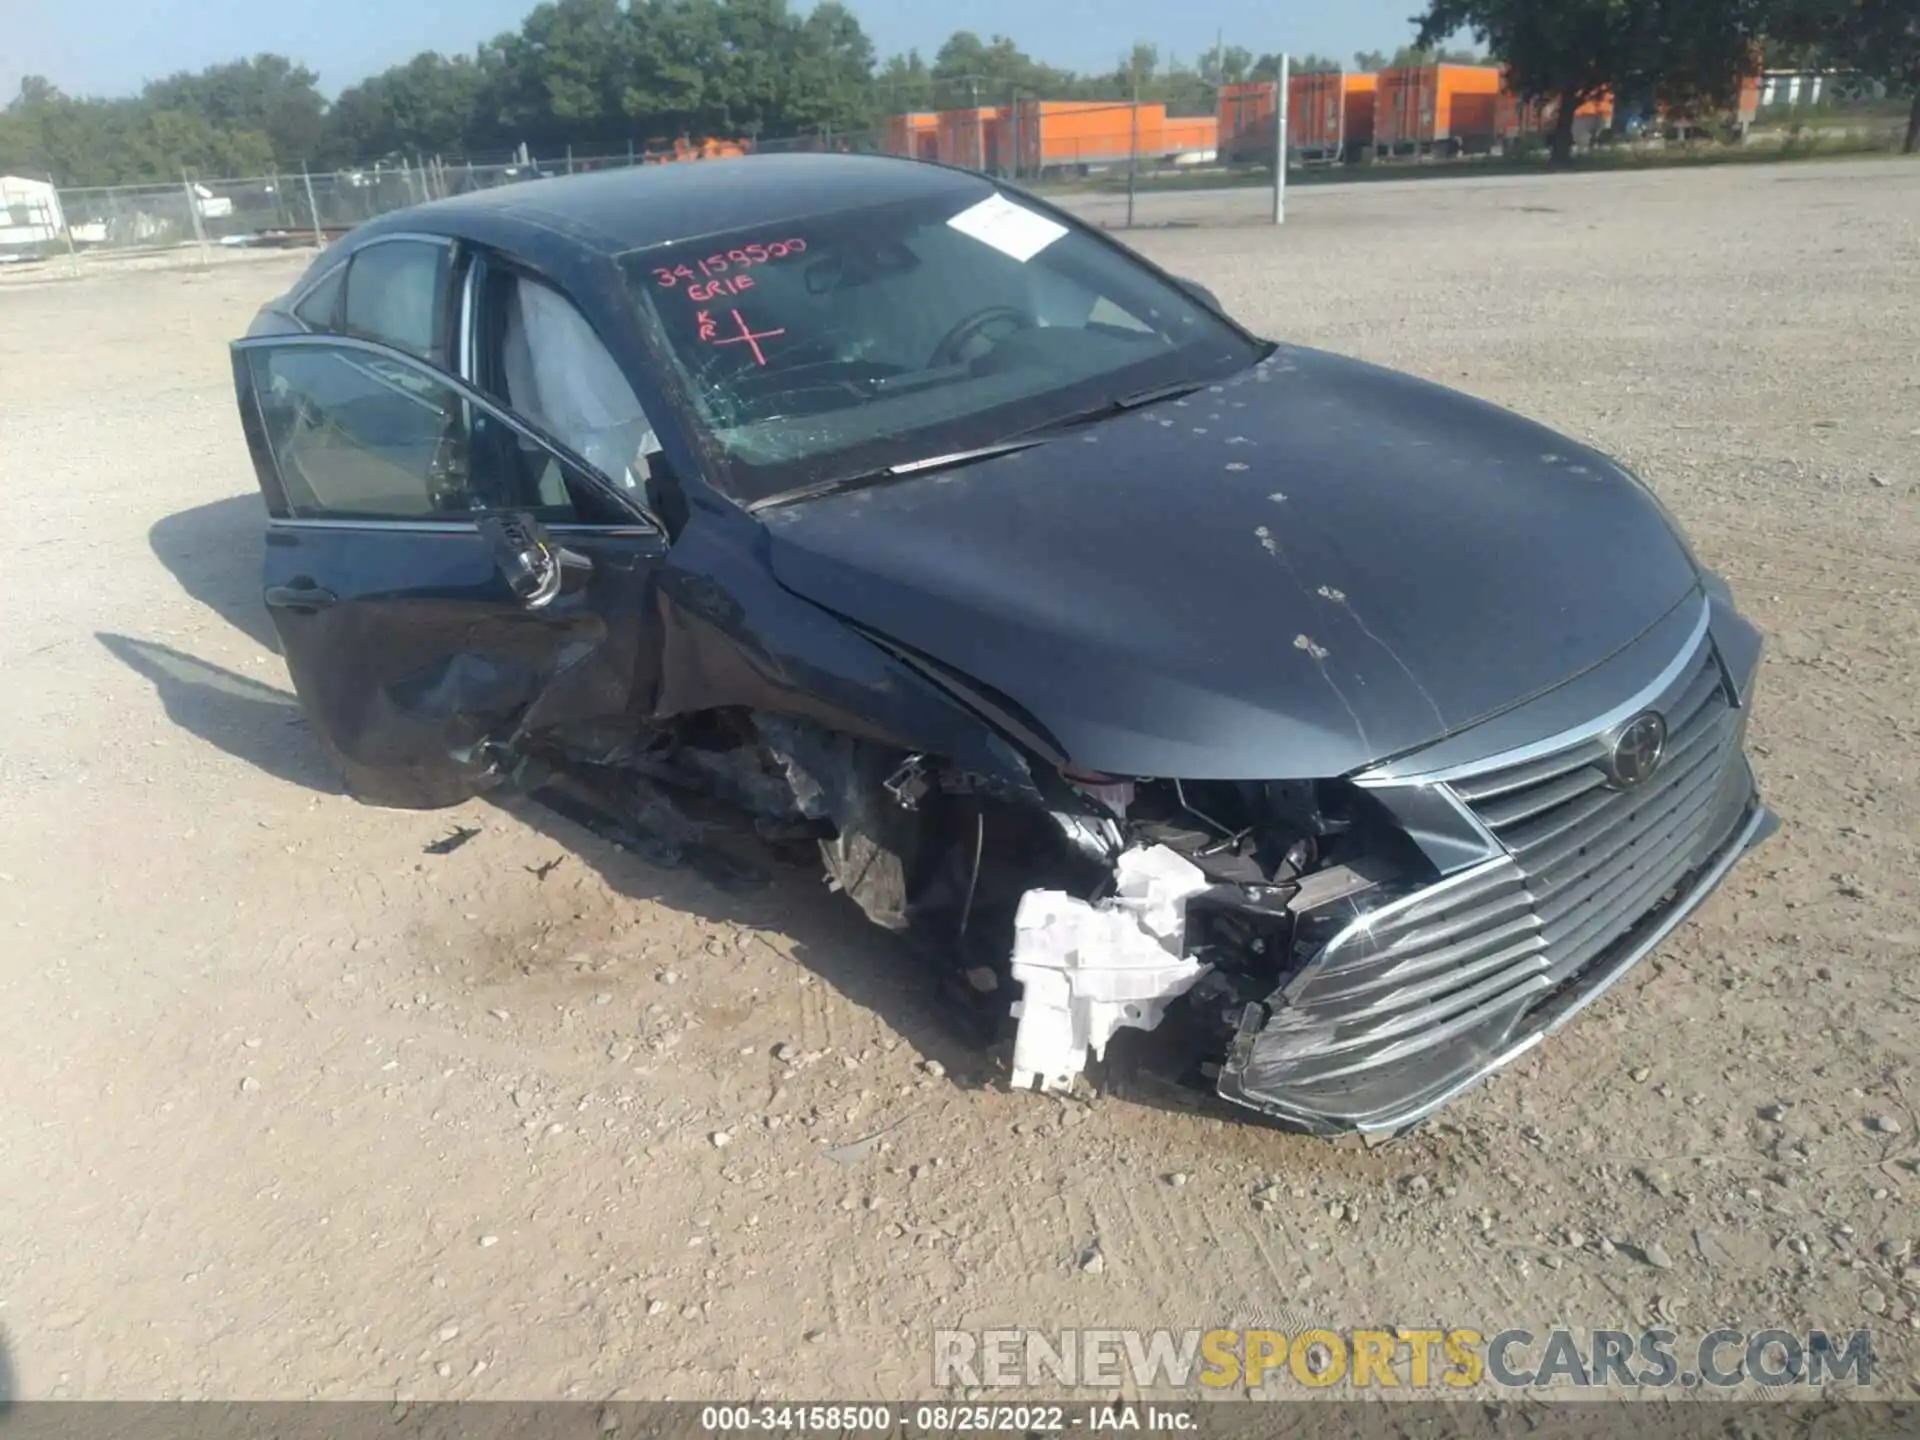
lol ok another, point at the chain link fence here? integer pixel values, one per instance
(1204, 159)
(1090, 155)
(1207, 159)
(194, 218)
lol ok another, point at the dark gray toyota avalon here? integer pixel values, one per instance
(1131, 665)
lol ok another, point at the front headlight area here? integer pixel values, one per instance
(1220, 894)
(1091, 903)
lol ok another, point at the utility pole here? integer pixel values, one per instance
(1133, 147)
(1280, 145)
(1013, 127)
(979, 126)
(59, 219)
(319, 240)
(193, 214)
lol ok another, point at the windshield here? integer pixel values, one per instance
(842, 344)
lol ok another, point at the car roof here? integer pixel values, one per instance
(647, 205)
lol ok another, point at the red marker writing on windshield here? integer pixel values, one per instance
(749, 337)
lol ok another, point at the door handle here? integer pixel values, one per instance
(299, 597)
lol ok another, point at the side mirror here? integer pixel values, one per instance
(526, 559)
(1201, 293)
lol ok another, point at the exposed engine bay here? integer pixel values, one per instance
(1088, 909)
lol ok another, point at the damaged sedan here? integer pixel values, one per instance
(1119, 659)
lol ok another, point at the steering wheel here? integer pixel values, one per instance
(952, 347)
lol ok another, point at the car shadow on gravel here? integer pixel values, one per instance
(215, 552)
(250, 721)
(788, 909)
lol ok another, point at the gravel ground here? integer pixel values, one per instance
(293, 1109)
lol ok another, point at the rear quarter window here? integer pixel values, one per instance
(319, 308)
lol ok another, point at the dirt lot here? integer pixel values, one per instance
(293, 1109)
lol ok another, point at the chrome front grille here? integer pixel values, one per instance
(1596, 859)
(1577, 877)
(1461, 956)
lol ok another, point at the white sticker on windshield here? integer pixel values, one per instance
(1009, 228)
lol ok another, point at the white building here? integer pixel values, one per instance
(1789, 87)
(29, 212)
(1786, 87)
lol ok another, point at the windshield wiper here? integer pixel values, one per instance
(906, 470)
(1120, 405)
(1024, 440)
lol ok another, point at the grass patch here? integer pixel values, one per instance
(1801, 143)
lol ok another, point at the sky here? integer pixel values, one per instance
(110, 47)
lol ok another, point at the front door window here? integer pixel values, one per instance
(356, 432)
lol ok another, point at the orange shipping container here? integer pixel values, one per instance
(962, 136)
(1245, 120)
(1363, 93)
(1420, 106)
(1327, 113)
(1190, 135)
(1050, 134)
(685, 149)
(909, 134)
(1514, 119)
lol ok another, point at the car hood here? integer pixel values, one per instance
(1310, 567)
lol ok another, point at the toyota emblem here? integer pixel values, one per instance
(1637, 749)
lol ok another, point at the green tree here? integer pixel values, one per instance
(1879, 39)
(1138, 70)
(1370, 61)
(1225, 65)
(562, 76)
(121, 141)
(268, 95)
(675, 79)
(1567, 52)
(1408, 56)
(431, 105)
(756, 47)
(1186, 89)
(905, 84)
(968, 71)
(829, 71)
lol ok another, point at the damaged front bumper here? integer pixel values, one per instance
(1511, 878)
(1564, 873)
(1344, 1060)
